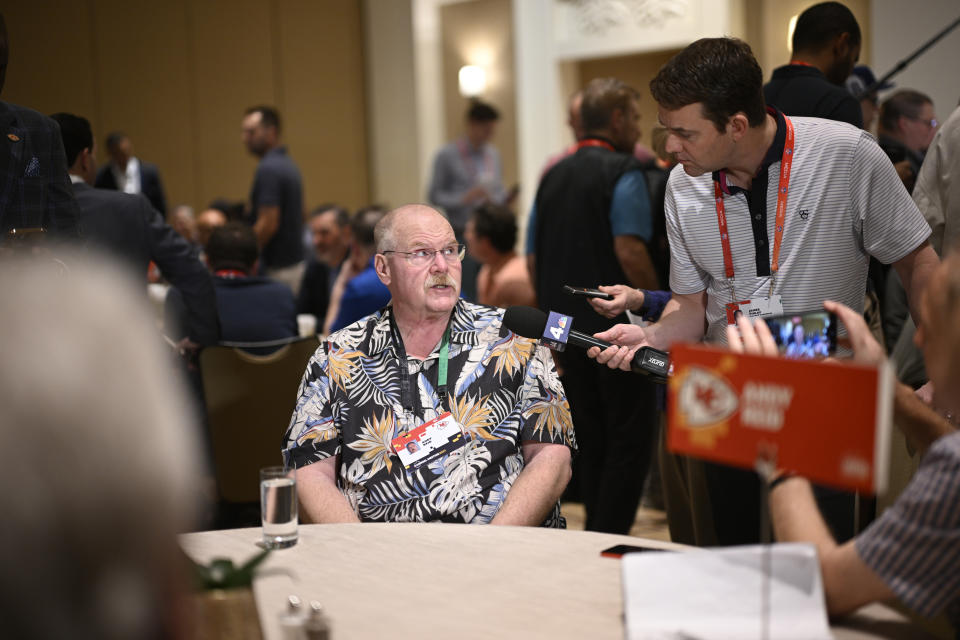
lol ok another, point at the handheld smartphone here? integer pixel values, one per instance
(588, 293)
(805, 335)
(619, 550)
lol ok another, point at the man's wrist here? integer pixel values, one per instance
(779, 478)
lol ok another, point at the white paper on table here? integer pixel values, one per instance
(718, 594)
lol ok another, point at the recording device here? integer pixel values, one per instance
(587, 293)
(805, 335)
(534, 324)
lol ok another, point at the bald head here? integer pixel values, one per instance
(387, 234)
(207, 221)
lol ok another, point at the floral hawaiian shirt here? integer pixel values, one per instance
(503, 391)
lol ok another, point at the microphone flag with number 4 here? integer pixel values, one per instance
(827, 421)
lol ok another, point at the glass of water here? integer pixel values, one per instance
(278, 507)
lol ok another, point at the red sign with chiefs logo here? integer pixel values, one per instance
(827, 421)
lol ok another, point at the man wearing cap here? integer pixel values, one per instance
(826, 44)
(859, 84)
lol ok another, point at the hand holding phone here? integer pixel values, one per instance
(805, 335)
(587, 293)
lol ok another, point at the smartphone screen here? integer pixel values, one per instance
(805, 335)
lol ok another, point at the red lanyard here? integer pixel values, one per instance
(230, 273)
(786, 160)
(593, 142)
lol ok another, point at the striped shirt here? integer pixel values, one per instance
(845, 203)
(915, 545)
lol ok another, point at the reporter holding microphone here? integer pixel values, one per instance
(766, 215)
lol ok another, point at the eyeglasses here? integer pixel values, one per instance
(932, 122)
(452, 253)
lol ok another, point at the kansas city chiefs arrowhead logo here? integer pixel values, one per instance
(706, 398)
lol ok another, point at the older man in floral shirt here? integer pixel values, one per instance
(488, 415)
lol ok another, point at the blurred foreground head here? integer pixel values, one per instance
(97, 458)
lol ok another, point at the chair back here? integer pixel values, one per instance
(249, 400)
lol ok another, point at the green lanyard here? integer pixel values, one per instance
(410, 398)
(442, 371)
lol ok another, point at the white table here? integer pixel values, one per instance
(459, 581)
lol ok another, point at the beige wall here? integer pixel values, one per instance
(480, 32)
(765, 30)
(391, 102)
(177, 75)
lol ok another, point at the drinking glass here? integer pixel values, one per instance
(278, 507)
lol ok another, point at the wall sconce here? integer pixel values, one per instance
(473, 81)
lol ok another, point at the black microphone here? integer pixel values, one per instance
(531, 323)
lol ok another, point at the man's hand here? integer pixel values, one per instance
(751, 338)
(627, 338)
(624, 299)
(866, 349)
(190, 352)
(475, 195)
(757, 339)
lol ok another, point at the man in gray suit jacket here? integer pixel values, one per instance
(127, 227)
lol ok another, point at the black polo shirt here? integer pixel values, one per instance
(277, 183)
(803, 90)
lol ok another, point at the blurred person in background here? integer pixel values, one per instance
(125, 172)
(591, 224)
(857, 83)
(826, 46)
(128, 228)
(358, 291)
(906, 129)
(276, 198)
(252, 308)
(466, 174)
(503, 280)
(207, 221)
(330, 238)
(183, 221)
(99, 456)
